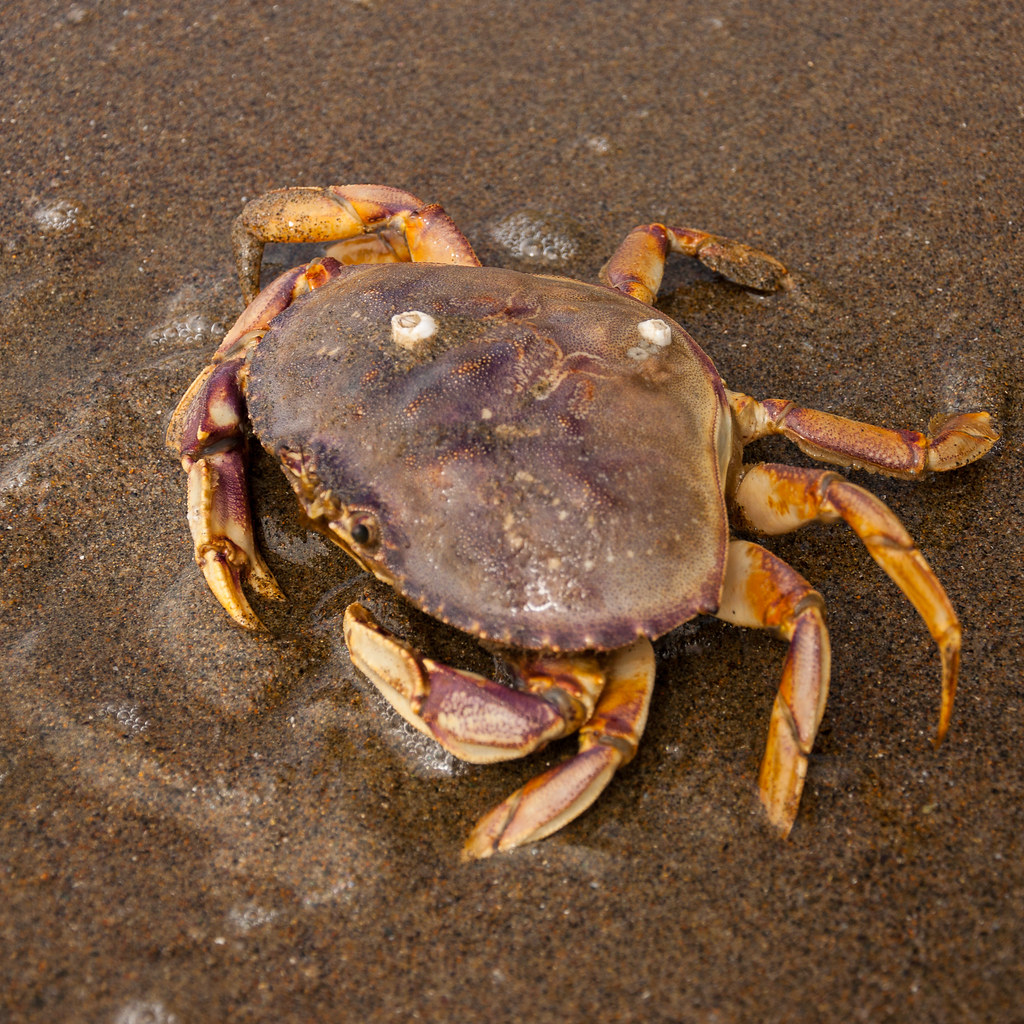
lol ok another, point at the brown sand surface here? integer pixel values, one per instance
(202, 825)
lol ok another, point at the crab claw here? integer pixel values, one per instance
(472, 717)
(479, 720)
(207, 433)
(221, 525)
(607, 741)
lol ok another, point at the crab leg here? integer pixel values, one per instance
(776, 499)
(637, 265)
(478, 720)
(764, 592)
(208, 435)
(956, 441)
(607, 741)
(402, 227)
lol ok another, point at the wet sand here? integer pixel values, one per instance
(202, 825)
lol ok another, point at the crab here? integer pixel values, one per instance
(552, 467)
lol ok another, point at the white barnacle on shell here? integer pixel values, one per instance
(654, 334)
(412, 327)
(657, 332)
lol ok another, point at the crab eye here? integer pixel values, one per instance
(362, 528)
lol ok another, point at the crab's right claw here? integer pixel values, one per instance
(206, 433)
(221, 525)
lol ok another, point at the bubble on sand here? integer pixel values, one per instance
(127, 716)
(425, 757)
(143, 1011)
(192, 329)
(250, 916)
(528, 235)
(56, 216)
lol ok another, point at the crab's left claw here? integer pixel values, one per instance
(479, 720)
(607, 741)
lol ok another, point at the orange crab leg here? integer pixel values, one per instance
(607, 741)
(605, 698)
(956, 441)
(402, 227)
(637, 265)
(775, 499)
(763, 592)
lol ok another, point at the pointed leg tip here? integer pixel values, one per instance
(781, 784)
(476, 849)
(781, 809)
(264, 583)
(945, 717)
(949, 653)
(490, 834)
(223, 580)
(781, 820)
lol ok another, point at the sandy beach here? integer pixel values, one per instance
(199, 824)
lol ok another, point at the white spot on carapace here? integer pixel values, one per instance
(638, 353)
(486, 414)
(412, 327)
(657, 332)
(554, 564)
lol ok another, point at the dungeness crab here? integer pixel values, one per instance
(548, 465)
